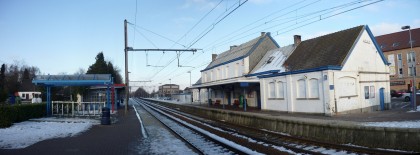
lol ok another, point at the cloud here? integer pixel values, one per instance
(385, 28)
(199, 4)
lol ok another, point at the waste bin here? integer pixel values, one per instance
(106, 116)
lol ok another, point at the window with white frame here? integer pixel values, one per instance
(236, 69)
(204, 77)
(222, 76)
(301, 89)
(372, 92)
(272, 90)
(227, 72)
(218, 74)
(313, 88)
(280, 89)
(411, 57)
(366, 92)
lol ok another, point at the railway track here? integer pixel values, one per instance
(199, 141)
(268, 142)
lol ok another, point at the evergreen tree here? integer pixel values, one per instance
(3, 92)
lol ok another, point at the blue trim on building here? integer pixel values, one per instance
(275, 43)
(262, 73)
(378, 48)
(256, 45)
(238, 58)
(302, 71)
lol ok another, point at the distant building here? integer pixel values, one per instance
(396, 48)
(167, 90)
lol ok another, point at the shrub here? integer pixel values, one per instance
(10, 114)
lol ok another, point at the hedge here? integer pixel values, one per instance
(10, 114)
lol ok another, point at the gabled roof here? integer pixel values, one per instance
(239, 52)
(273, 61)
(398, 40)
(327, 50)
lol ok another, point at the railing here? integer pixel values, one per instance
(69, 108)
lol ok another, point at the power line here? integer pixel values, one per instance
(244, 35)
(199, 21)
(328, 17)
(214, 24)
(205, 33)
(136, 26)
(333, 10)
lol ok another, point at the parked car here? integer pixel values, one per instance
(407, 96)
(394, 93)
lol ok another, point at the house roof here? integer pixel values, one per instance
(398, 40)
(327, 50)
(238, 52)
(273, 60)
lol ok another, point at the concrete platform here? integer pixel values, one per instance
(342, 129)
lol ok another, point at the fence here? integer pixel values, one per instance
(69, 108)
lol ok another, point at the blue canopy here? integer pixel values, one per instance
(73, 80)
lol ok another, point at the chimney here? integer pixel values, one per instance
(262, 33)
(297, 39)
(231, 47)
(213, 57)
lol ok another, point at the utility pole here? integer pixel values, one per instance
(126, 67)
(126, 49)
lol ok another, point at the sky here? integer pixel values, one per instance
(61, 37)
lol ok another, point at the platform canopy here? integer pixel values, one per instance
(73, 80)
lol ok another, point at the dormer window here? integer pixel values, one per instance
(270, 59)
(395, 44)
(382, 46)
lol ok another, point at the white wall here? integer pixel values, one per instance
(310, 101)
(339, 91)
(211, 75)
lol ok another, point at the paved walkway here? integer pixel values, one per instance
(118, 138)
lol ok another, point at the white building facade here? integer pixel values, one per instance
(343, 72)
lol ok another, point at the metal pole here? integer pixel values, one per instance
(190, 78)
(414, 72)
(126, 66)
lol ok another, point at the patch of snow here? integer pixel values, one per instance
(404, 124)
(24, 134)
(143, 132)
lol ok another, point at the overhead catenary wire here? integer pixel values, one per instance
(323, 18)
(254, 22)
(201, 36)
(299, 23)
(199, 21)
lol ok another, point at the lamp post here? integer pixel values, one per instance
(412, 67)
(160, 90)
(190, 77)
(170, 88)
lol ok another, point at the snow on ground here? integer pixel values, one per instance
(24, 134)
(403, 124)
(395, 124)
(417, 109)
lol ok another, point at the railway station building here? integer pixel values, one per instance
(342, 72)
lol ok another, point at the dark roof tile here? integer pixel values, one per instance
(326, 50)
(402, 38)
